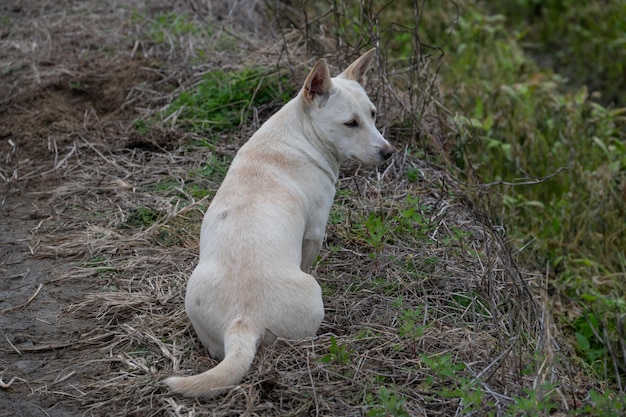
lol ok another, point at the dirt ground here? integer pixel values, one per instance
(63, 84)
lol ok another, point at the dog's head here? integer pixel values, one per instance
(342, 115)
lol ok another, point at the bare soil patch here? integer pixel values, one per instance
(57, 99)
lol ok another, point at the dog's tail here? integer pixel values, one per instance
(240, 346)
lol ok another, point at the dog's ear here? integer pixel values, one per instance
(317, 83)
(356, 71)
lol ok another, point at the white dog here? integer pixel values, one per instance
(266, 224)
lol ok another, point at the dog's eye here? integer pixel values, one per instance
(352, 123)
(373, 114)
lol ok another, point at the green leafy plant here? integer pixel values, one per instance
(338, 354)
(535, 402)
(409, 221)
(553, 155)
(410, 324)
(377, 232)
(386, 403)
(442, 365)
(585, 40)
(606, 404)
(599, 335)
(448, 382)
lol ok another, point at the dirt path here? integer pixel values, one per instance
(60, 90)
(37, 346)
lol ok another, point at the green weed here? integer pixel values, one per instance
(442, 365)
(214, 170)
(412, 174)
(338, 215)
(599, 335)
(377, 232)
(607, 404)
(386, 403)
(448, 382)
(141, 217)
(142, 126)
(201, 182)
(339, 354)
(410, 324)
(102, 266)
(410, 219)
(535, 402)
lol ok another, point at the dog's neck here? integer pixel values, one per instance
(329, 163)
(316, 150)
(330, 160)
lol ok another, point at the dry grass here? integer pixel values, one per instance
(443, 284)
(474, 303)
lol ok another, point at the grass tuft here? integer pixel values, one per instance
(222, 102)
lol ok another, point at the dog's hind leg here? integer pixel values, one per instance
(298, 308)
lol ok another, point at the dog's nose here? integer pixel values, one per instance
(387, 151)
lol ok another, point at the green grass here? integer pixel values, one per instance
(166, 28)
(223, 101)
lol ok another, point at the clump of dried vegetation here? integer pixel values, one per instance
(427, 309)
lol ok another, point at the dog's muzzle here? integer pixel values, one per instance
(387, 151)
